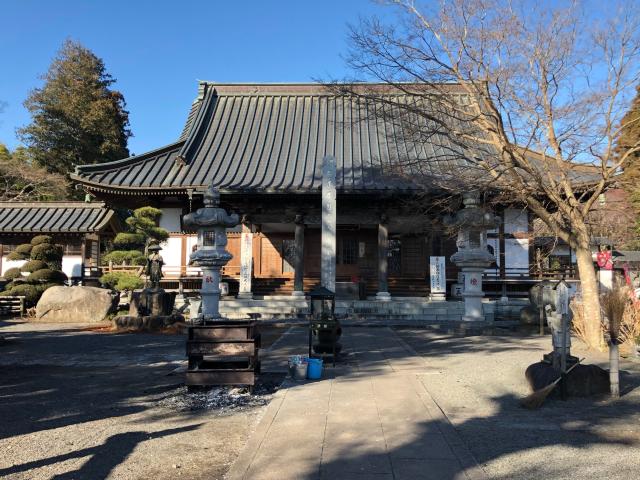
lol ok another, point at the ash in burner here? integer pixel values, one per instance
(221, 399)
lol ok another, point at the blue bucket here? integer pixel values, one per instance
(314, 368)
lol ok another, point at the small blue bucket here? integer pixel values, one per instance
(314, 368)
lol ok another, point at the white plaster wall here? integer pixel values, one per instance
(172, 254)
(170, 220)
(516, 251)
(72, 265)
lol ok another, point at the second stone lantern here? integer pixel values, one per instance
(211, 223)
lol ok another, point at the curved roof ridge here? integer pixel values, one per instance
(207, 105)
(132, 160)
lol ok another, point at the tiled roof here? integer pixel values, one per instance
(256, 138)
(53, 217)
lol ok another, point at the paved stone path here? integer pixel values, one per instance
(370, 418)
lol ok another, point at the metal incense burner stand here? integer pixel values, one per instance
(220, 352)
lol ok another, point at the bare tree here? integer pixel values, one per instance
(519, 98)
(21, 181)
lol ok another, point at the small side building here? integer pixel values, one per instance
(79, 227)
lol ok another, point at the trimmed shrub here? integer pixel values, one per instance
(121, 281)
(31, 293)
(128, 257)
(16, 255)
(12, 273)
(24, 249)
(38, 239)
(49, 253)
(32, 266)
(48, 276)
(128, 240)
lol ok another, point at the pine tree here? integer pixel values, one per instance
(77, 117)
(130, 247)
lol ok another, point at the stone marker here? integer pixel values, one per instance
(437, 278)
(328, 251)
(246, 264)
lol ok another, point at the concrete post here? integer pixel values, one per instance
(298, 279)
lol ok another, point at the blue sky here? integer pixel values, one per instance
(157, 50)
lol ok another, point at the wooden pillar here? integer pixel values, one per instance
(502, 257)
(298, 279)
(83, 257)
(383, 261)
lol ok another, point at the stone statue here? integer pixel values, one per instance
(154, 266)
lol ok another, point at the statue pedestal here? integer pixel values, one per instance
(472, 293)
(151, 302)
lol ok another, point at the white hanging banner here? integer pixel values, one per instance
(437, 275)
(246, 261)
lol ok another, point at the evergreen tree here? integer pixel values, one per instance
(77, 117)
(629, 138)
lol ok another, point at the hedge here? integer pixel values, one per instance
(128, 257)
(33, 265)
(24, 249)
(16, 255)
(47, 275)
(122, 281)
(38, 239)
(12, 273)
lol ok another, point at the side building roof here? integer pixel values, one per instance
(272, 138)
(54, 217)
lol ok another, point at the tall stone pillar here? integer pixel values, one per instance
(246, 261)
(383, 261)
(298, 278)
(328, 247)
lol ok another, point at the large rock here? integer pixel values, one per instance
(75, 305)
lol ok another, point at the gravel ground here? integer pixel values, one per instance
(477, 381)
(78, 404)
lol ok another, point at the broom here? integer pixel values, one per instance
(537, 398)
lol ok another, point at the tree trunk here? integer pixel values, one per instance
(614, 370)
(590, 297)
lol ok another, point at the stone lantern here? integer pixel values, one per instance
(472, 256)
(211, 255)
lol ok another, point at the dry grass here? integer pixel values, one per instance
(625, 327)
(629, 328)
